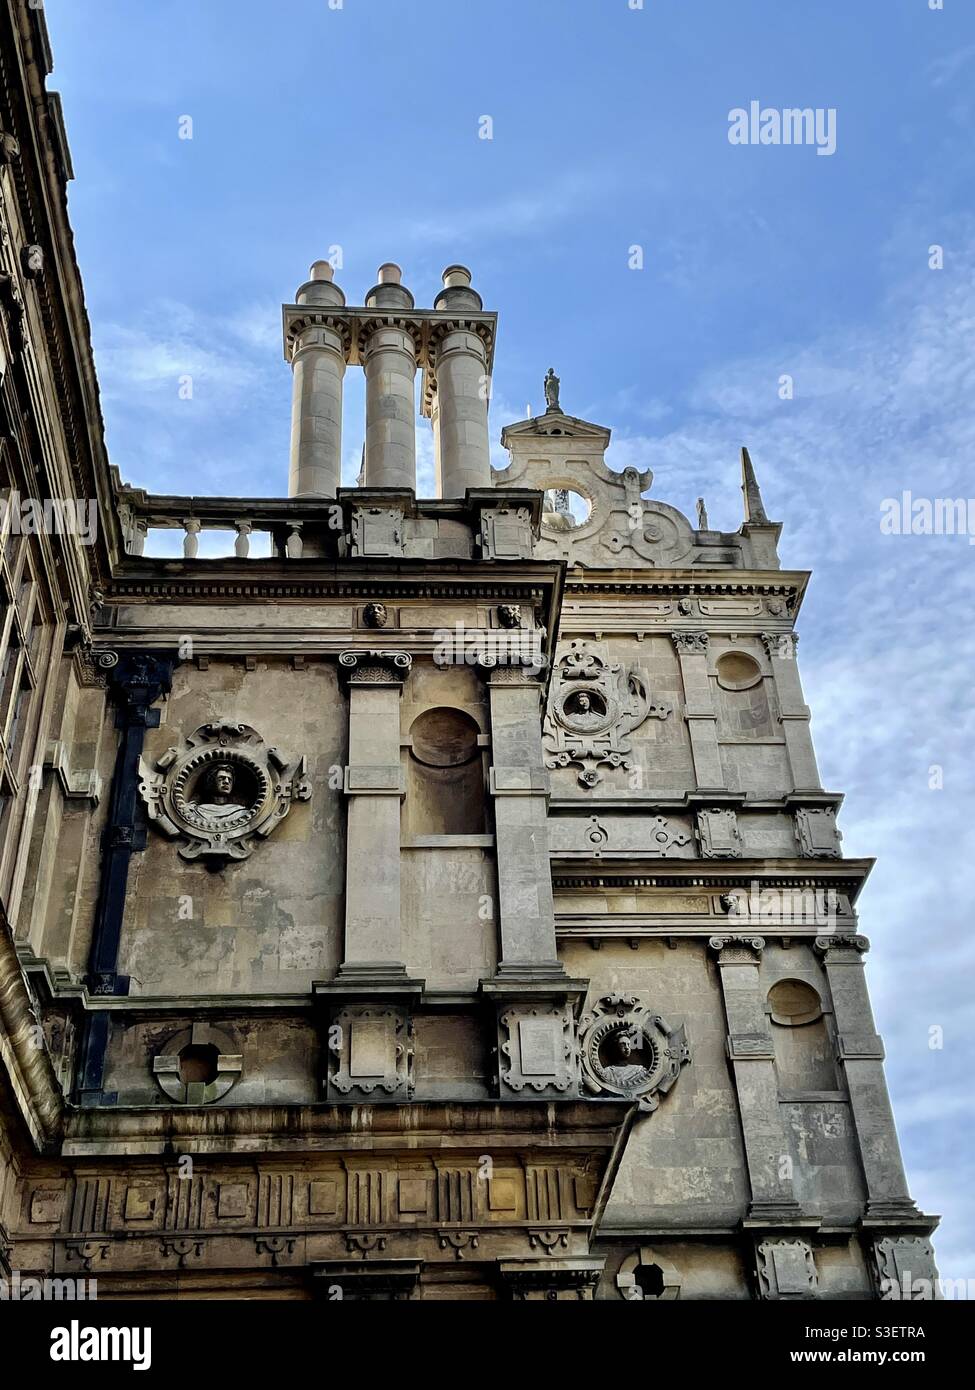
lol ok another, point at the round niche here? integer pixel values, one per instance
(737, 671)
(793, 1002)
(444, 737)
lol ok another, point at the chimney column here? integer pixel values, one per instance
(388, 351)
(461, 428)
(318, 364)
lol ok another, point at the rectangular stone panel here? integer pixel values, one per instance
(371, 1048)
(539, 1039)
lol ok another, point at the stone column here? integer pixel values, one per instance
(752, 1057)
(388, 352)
(699, 711)
(374, 790)
(317, 352)
(861, 1055)
(462, 389)
(793, 711)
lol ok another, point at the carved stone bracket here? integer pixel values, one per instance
(87, 1252)
(183, 1247)
(551, 1280)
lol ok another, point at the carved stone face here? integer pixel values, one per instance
(375, 615)
(221, 780)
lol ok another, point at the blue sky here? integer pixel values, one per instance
(357, 127)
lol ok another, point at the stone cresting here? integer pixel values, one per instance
(431, 1039)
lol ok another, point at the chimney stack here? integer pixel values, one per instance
(318, 364)
(388, 345)
(459, 411)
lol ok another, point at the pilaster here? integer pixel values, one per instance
(699, 711)
(752, 1058)
(861, 1056)
(793, 710)
(372, 961)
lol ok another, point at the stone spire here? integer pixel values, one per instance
(754, 509)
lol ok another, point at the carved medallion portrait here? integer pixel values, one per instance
(594, 705)
(221, 791)
(629, 1051)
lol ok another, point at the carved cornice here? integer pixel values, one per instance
(786, 584)
(236, 586)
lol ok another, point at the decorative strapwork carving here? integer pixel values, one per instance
(221, 790)
(538, 1050)
(595, 704)
(786, 1269)
(817, 834)
(718, 833)
(627, 1050)
(369, 1048)
(904, 1268)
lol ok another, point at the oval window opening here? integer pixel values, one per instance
(564, 509)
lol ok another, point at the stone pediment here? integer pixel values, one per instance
(555, 422)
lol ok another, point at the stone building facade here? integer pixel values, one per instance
(438, 900)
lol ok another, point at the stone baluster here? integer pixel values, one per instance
(191, 538)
